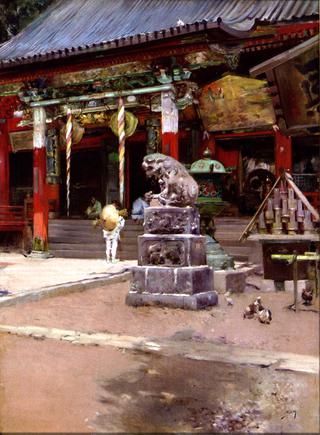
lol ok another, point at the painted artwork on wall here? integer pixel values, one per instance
(21, 140)
(235, 102)
(299, 96)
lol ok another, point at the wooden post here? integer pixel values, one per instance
(4, 165)
(295, 280)
(40, 197)
(283, 153)
(169, 125)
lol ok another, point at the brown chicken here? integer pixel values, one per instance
(307, 296)
(253, 309)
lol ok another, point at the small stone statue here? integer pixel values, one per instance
(177, 187)
(112, 224)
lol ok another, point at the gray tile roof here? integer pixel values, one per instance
(80, 25)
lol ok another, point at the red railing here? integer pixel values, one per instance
(12, 218)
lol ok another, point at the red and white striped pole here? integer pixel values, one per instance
(68, 156)
(122, 139)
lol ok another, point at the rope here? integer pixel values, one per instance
(68, 156)
(122, 139)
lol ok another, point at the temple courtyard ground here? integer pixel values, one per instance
(83, 361)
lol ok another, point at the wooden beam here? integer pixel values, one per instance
(102, 95)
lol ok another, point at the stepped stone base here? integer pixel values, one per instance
(190, 302)
(172, 280)
(172, 268)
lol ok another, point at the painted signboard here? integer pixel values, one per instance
(235, 102)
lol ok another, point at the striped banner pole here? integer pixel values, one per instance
(122, 139)
(68, 156)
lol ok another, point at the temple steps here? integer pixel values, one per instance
(228, 232)
(77, 238)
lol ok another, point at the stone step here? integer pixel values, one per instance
(86, 223)
(78, 246)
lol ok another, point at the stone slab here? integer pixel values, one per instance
(229, 280)
(171, 250)
(171, 220)
(169, 280)
(190, 302)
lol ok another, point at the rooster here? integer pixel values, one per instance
(253, 309)
(307, 296)
(265, 316)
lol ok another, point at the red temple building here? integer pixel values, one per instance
(190, 75)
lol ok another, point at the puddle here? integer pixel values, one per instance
(175, 394)
(48, 386)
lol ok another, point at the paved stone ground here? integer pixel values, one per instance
(24, 278)
(21, 276)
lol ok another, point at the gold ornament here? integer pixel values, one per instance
(77, 133)
(131, 122)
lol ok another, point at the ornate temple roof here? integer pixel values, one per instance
(71, 27)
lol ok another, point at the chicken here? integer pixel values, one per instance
(265, 316)
(307, 296)
(253, 309)
(228, 299)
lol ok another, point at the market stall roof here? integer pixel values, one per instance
(80, 26)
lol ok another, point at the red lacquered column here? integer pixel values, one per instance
(40, 196)
(4, 166)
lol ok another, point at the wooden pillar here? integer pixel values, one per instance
(169, 125)
(4, 165)
(283, 152)
(40, 195)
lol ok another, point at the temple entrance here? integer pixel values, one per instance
(21, 176)
(88, 178)
(137, 183)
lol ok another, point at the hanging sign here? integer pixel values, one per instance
(235, 102)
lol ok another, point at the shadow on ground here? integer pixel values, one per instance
(175, 394)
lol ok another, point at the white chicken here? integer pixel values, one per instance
(265, 316)
(228, 298)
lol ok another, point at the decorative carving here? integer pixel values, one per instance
(153, 132)
(161, 222)
(166, 253)
(177, 187)
(53, 157)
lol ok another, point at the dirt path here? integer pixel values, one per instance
(49, 386)
(54, 386)
(103, 309)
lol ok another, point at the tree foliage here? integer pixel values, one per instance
(16, 14)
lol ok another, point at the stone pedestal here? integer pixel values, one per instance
(172, 268)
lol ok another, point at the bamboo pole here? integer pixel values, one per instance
(289, 257)
(295, 280)
(248, 228)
